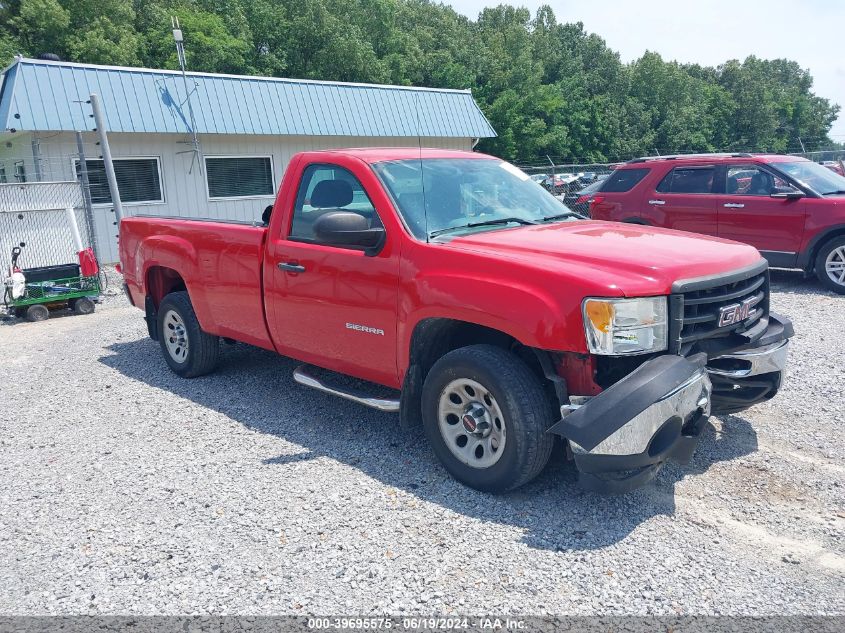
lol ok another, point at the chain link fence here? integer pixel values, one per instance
(44, 174)
(34, 217)
(833, 159)
(570, 183)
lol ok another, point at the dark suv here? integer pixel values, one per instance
(790, 208)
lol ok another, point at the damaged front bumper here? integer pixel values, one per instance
(621, 437)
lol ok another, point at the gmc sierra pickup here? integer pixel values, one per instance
(501, 319)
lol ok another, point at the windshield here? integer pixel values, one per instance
(436, 195)
(818, 178)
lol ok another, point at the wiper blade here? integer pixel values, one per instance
(470, 225)
(831, 193)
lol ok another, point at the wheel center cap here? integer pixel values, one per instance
(474, 420)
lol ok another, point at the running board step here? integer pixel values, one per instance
(303, 377)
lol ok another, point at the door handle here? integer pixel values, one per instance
(291, 267)
(657, 202)
(733, 205)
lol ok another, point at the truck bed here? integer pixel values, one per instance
(220, 262)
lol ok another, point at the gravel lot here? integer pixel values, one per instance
(126, 490)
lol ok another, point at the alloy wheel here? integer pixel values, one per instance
(834, 265)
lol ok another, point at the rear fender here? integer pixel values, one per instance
(179, 255)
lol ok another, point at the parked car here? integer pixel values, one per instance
(539, 178)
(834, 165)
(579, 200)
(499, 317)
(559, 183)
(791, 209)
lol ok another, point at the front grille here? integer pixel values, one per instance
(696, 308)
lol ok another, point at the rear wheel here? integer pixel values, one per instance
(486, 414)
(82, 305)
(830, 265)
(37, 312)
(188, 350)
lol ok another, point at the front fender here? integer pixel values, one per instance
(529, 313)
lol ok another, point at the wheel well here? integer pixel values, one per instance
(811, 262)
(433, 338)
(161, 281)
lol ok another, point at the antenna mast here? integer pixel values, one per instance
(180, 53)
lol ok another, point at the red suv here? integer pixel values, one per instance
(791, 209)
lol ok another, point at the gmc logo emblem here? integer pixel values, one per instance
(735, 312)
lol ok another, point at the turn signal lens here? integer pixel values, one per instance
(600, 314)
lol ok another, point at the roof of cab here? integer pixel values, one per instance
(384, 154)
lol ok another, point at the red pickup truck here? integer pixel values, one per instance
(500, 319)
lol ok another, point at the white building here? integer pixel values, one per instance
(247, 129)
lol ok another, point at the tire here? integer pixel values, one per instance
(37, 312)
(198, 352)
(82, 305)
(517, 447)
(830, 265)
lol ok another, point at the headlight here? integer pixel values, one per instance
(616, 327)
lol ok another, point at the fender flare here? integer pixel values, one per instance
(177, 253)
(807, 257)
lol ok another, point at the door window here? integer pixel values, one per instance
(745, 180)
(688, 180)
(324, 189)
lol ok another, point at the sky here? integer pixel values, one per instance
(709, 32)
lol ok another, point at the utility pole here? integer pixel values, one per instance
(100, 122)
(36, 158)
(86, 195)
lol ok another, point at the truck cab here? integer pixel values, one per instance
(491, 314)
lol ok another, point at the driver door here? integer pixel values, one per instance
(333, 306)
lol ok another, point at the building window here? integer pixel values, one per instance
(20, 171)
(138, 180)
(3, 178)
(239, 176)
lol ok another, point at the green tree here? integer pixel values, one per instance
(548, 87)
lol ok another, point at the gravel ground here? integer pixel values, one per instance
(127, 490)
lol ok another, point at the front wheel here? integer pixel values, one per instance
(486, 414)
(37, 312)
(188, 350)
(830, 265)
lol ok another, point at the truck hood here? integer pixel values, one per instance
(630, 259)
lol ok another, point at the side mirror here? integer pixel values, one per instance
(787, 192)
(343, 228)
(265, 216)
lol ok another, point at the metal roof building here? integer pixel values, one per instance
(45, 96)
(248, 128)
